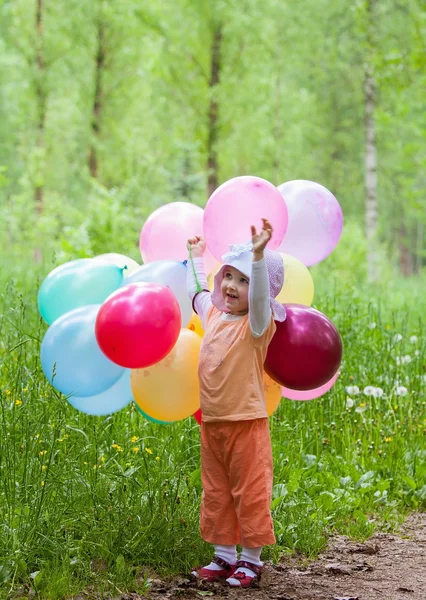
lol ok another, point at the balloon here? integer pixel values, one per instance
(298, 285)
(138, 324)
(315, 221)
(169, 390)
(235, 206)
(198, 416)
(70, 356)
(196, 325)
(124, 262)
(165, 233)
(273, 394)
(310, 394)
(148, 418)
(305, 351)
(170, 273)
(107, 402)
(77, 283)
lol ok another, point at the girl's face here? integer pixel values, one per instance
(234, 290)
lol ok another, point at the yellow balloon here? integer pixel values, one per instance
(210, 278)
(298, 285)
(121, 261)
(272, 394)
(169, 390)
(196, 325)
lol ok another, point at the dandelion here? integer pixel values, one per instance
(134, 439)
(349, 402)
(403, 360)
(43, 467)
(388, 439)
(397, 338)
(25, 389)
(361, 408)
(395, 407)
(18, 402)
(117, 447)
(372, 325)
(42, 453)
(7, 392)
(42, 484)
(148, 450)
(413, 339)
(378, 392)
(85, 462)
(135, 449)
(401, 391)
(370, 390)
(60, 440)
(157, 458)
(352, 390)
(102, 458)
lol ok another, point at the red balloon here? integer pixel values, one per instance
(198, 416)
(138, 325)
(305, 351)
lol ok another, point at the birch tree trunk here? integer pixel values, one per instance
(97, 100)
(213, 115)
(371, 211)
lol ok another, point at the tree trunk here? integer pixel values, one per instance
(370, 152)
(213, 117)
(41, 115)
(97, 101)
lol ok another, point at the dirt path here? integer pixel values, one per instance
(386, 567)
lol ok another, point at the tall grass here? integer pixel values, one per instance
(103, 500)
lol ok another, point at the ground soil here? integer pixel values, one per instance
(385, 567)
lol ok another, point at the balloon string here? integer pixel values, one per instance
(197, 283)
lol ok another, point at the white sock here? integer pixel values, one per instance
(228, 553)
(251, 555)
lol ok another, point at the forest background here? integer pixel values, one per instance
(108, 110)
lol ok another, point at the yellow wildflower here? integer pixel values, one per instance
(42, 484)
(43, 468)
(395, 407)
(148, 450)
(25, 389)
(60, 440)
(42, 453)
(18, 402)
(135, 449)
(102, 458)
(134, 439)
(388, 439)
(157, 458)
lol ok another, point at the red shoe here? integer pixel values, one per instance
(240, 579)
(226, 571)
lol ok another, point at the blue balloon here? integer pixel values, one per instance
(107, 402)
(148, 418)
(71, 358)
(171, 273)
(77, 283)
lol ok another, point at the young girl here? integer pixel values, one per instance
(236, 458)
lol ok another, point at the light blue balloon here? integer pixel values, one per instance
(77, 283)
(171, 273)
(107, 402)
(71, 358)
(148, 418)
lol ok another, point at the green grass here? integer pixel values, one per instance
(107, 501)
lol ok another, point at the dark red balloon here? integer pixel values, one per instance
(138, 325)
(198, 416)
(305, 351)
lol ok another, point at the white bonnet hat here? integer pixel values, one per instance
(240, 257)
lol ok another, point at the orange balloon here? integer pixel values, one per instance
(169, 390)
(273, 394)
(196, 325)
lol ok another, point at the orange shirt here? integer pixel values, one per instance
(231, 369)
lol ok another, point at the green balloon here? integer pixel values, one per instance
(148, 418)
(75, 284)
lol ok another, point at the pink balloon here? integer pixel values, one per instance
(315, 221)
(235, 206)
(166, 231)
(310, 394)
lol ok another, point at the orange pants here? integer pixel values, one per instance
(237, 474)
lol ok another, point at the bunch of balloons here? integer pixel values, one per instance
(120, 331)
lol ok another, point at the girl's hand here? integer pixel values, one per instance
(260, 239)
(197, 246)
